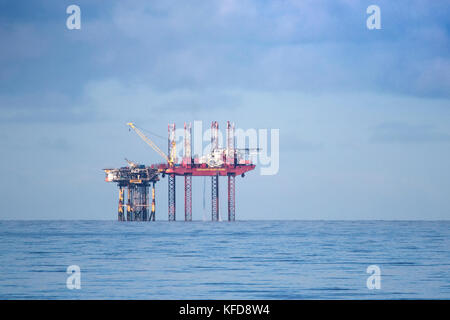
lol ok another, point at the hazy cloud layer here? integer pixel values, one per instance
(304, 46)
(407, 133)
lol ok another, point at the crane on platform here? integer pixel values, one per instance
(147, 140)
(131, 163)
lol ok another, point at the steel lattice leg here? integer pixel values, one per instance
(120, 215)
(215, 198)
(132, 206)
(171, 196)
(231, 198)
(136, 207)
(129, 217)
(152, 215)
(145, 200)
(188, 198)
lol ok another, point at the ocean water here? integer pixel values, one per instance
(240, 260)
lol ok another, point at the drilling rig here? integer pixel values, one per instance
(227, 162)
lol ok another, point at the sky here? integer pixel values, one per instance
(363, 115)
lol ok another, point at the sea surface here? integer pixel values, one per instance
(222, 260)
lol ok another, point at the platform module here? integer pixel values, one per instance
(134, 182)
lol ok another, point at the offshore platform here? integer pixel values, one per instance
(135, 179)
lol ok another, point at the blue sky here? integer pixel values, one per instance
(363, 114)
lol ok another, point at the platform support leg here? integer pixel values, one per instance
(171, 197)
(215, 198)
(129, 214)
(188, 198)
(231, 198)
(144, 197)
(152, 215)
(120, 215)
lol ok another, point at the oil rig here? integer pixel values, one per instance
(135, 180)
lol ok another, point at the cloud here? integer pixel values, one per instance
(295, 45)
(320, 46)
(296, 144)
(20, 41)
(175, 55)
(43, 107)
(111, 99)
(396, 132)
(434, 78)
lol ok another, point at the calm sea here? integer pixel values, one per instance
(241, 260)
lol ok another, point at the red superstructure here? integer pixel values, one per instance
(201, 170)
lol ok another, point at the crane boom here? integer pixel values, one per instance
(149, 142)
